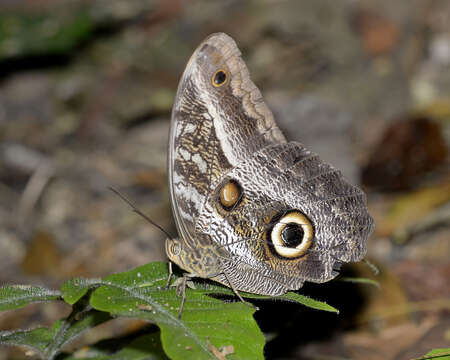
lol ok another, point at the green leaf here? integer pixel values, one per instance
(207, 324)
(66, 330)
(209, 327)
(307, 301)
(36, 339)
(290, 296)
(49, 342)
(18, 296)
(438, 354)
(146, 347)
(74, 289)
(361, 281)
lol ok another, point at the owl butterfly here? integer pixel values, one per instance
(253, 211)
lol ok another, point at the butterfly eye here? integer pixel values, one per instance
(292, 235)
(219, 78)
(173, 247)
(230, 194)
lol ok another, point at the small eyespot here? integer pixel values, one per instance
(292, 235)
(219, 78)
(230, 194)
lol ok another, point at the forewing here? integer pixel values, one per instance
(213, 128)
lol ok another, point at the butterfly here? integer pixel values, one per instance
(253, 211)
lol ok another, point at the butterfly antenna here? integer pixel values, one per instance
(139, 212)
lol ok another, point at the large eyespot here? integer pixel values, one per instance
(219, 78)
(292, 235)
(230, 194)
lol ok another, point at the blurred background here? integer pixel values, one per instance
(86, 89)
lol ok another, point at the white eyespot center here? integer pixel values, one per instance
(297, 218)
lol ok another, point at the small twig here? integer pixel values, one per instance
(33, 190)
(372, 266)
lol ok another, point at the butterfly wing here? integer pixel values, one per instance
(223, 139)
(212, 128)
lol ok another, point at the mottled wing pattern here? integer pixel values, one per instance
(212, 129)
(222, 134)
(276, 179)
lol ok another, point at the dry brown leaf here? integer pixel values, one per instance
(220, 354)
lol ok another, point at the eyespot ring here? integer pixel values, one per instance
(219, 78)
(292, 235)
(230, 194)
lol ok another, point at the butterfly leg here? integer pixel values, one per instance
(183, 295)
(236, 292)
(180, 285)
(170, 275)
